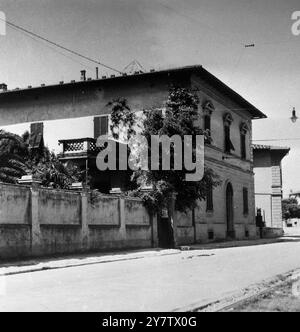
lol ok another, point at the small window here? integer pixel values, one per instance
(207, 128)
(209, 199)
(245, 201)
(101, 126)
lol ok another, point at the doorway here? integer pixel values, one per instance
(165, 234)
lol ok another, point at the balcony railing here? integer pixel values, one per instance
(79, 146)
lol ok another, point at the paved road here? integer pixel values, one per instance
(150, 284)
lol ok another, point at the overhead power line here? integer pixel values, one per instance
(59, 46)
(54, 49)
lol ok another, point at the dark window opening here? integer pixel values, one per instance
(209, 198)
(228, 144)
(245, 201)
(211, 235)
(207, 128)
(243, 146)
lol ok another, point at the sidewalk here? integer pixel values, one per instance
(41, 264)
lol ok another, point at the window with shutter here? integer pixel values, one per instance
(101, 126)
(36, 139)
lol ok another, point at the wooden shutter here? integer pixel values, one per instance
(36, 135)
(100, 126)
(37, 128)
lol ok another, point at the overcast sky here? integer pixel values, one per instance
(168, 33)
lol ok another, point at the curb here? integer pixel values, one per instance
(231, 299)
(46, 266)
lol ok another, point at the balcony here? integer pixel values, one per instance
(78, 148)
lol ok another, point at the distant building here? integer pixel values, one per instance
(268, 182)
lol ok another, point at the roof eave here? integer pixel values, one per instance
(255, 112)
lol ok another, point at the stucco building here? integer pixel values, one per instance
(76, 113)
(267, 163)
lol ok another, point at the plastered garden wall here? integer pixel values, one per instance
(38, 221)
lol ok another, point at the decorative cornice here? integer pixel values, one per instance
(244, 128)
(227, 118)
(222, 163)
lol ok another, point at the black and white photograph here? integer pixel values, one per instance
(149, 157)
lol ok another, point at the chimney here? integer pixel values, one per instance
(83, 75)
(3, 87)
(97, 73)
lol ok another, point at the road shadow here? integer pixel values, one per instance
(79, 256)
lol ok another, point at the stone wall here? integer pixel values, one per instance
(38, 221)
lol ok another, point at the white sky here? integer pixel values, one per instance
(168, 33)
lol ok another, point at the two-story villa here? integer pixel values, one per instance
(76, 113)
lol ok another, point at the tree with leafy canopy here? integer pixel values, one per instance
(179, 119)
(12, 152)
(290, 208)
(17, 158)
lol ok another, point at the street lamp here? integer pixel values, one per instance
(294, 117)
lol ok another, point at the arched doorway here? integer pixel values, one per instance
(229, 211)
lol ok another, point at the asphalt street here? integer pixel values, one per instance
(163, 283)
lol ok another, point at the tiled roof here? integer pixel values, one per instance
(270, 147)
(203, 73)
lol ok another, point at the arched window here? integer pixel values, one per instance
(243, 133)
(228, 146)
(208, 108)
